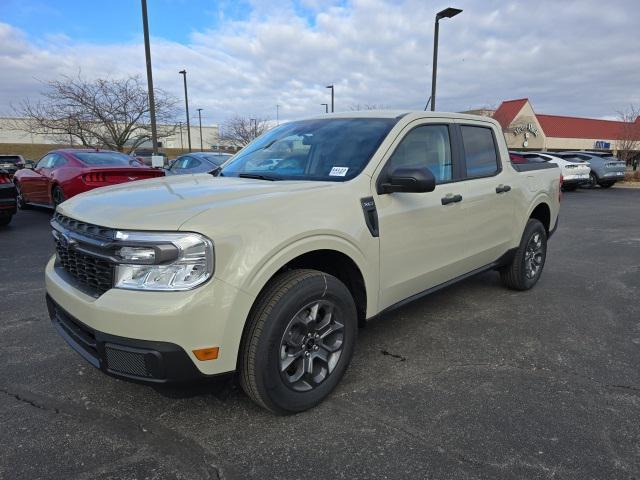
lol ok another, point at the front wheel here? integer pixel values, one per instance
(526, 266)
(593, 181)
(22, 203)
(299, 341)
(607, 184)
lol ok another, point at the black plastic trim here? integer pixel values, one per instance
(500, 262)
(370, 215)
(167, 363)
(529, 167)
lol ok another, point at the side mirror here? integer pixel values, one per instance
(409, 180)
(30, 165)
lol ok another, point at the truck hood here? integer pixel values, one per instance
(168, 202)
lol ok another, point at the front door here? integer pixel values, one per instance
(422, 235)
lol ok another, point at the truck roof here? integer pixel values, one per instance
(405, 113)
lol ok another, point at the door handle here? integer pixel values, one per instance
(502, 188)
(451, 199)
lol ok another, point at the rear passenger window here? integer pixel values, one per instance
(480, 151)
(426, 146)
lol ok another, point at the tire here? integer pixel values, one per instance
(569, 188)
(5, 220)
(593, 181)
(607, 184)
(57, 196)
(282, 339)
(22, 204)
(518, 274)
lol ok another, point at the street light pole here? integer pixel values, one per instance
(446, 13)
(326, 107)
(255, 127)
(147, 54)
(331, 87)
(200, 121)
(186, 104)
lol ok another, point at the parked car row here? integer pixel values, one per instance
(578, 168)
(62, 174)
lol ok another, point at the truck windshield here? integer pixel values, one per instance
(335, 149)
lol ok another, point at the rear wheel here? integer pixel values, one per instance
(607, 184)
(569, 188)
(526, 267)
(593, 181)
(299, 341)
(57, 195)
(5, 220)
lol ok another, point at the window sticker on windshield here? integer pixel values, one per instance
(338, 171)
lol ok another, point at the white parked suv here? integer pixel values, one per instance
(574, 173)
(268, 270)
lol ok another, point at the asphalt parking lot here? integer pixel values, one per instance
(475, 381)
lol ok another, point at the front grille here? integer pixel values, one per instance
(91, 271)
(83, 228)
(126, 361)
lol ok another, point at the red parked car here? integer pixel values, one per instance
(61, 174)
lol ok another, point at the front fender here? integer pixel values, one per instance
(258, 277)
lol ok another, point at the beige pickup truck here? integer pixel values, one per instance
(267, 267)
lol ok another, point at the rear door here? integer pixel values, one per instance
(488, 207)
(421, 234)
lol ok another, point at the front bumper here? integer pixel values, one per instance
(166, 326)
(139, 360)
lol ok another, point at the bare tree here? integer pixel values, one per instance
(629, 142)
(110, 113)
(239, 131)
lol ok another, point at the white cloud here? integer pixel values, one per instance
(569, 57)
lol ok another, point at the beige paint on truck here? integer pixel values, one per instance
(257, 227)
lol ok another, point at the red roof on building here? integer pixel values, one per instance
(575, 127)
(508, 110)
(565, 127)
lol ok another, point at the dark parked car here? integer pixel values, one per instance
(8, 196)
(11, 163)
(61, 174)
(197, 162)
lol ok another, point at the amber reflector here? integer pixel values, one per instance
(210, 353)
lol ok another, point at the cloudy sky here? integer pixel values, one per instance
(243, 57)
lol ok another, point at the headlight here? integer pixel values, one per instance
(162, 261)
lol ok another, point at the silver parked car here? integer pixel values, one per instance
(605, 168)
(197, 162)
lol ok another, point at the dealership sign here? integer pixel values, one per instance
(602, 144)
(526, 127)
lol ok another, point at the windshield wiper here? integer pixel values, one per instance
(257, 176)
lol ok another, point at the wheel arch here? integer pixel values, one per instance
(542, 212)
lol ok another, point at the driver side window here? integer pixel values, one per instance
(425, 146)
(46, 161)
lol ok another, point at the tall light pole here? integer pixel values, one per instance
(446, 13)
(326, 107)
(277, 114)
(200, 121)
(331, 87)
(186, 104)
(255, 126)
(147, 54)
